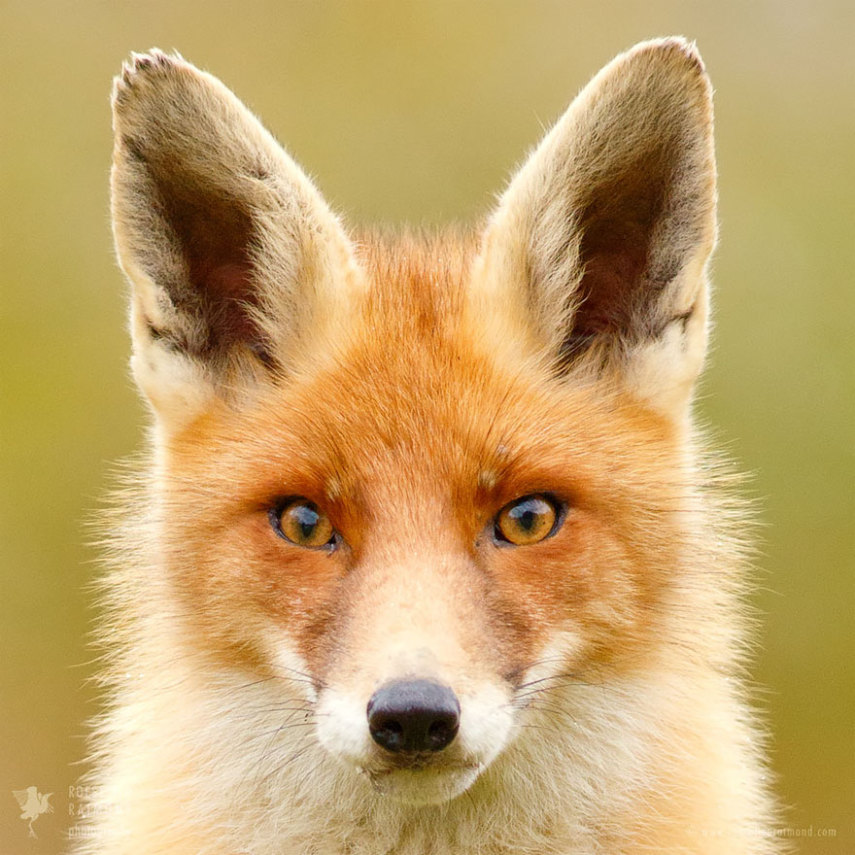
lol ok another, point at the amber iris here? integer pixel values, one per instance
(527, 520)
(302, 523)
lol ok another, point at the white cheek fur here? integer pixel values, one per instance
(291, 667)
(343, 726)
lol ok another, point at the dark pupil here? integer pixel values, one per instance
(306, 518)
(526, 514)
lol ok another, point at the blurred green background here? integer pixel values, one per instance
(417, 112)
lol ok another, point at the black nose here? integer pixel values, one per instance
(413, 715)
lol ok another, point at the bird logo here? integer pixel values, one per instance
(33, 804)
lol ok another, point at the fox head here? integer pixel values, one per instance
(419, 481)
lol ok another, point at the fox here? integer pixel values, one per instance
(426, 553)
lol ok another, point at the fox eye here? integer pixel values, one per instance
(527, 520)
(302, 523)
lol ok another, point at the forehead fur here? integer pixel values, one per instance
(418, 282)
(421, 391)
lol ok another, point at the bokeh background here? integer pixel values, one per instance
(416, 112)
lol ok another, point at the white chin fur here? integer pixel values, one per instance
(420, 787)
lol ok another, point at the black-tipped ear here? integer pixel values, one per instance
(605, 231)
(229, 247)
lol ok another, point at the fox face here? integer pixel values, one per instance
(420, 483)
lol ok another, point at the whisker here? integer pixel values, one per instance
(293, 758)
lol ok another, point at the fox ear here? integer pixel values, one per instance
(231, 251)
(605, 232)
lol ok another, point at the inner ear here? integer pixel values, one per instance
(623, 265)
(215, 237)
